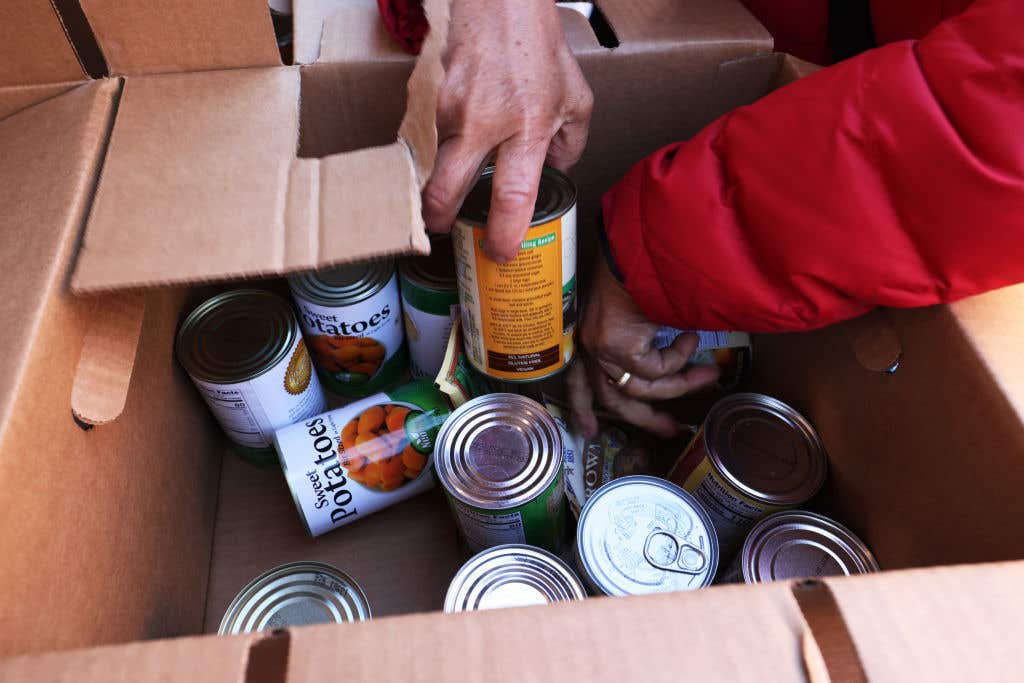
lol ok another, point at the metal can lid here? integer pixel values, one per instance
(556, 194)
(296, 594)
(641, 534)
(512, 575)
(799, 544)
(343, 285)
(765, 448)
(434, 271)
(498, 451)
(236, 335)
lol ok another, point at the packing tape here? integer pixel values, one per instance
(104, 372)
(830, 655)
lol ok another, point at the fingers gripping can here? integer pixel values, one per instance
(499, 459)
(754, 455)
(351, 317)
(244, 353)
(519, 318)
(347, 463)
(430, 305)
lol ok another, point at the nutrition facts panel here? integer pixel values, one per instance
(235, 415)
(482, 530)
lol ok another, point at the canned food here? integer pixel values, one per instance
(430, 304)
(519, 318)
(754, 455)
(799, 545)
(512, 575)
(499, 459)
(731, 352)
(352, 461)
(351, 317)
(244, 353)
(296, 594)
(641, 534)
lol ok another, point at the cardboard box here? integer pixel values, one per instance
(181, 169)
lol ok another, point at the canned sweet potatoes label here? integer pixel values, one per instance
(347, 463)
(519, 317)
(359, 348)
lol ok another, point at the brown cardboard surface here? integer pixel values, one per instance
(922, 456)
(51, 153)
(403, 557)
(333, 31)
(34, 48)
(105, 364)
(106, 532)
(206, 161)
(197, 660)
(159, 36)
(17, 98)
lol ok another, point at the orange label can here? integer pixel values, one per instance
(519, 318)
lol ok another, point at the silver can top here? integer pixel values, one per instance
(765, 448)
(512, 575)
(556, 194)
(343, 285)
(436, 270)
(236, 336)
(800, 545)
(498, 451)
(641, 534)
(296, 594)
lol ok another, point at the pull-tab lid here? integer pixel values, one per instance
(641, 534)
(765, 449)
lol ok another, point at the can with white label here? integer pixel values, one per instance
(754, 455)
(352, 461)
(296, 594)
(244, 352)
(731, 352)
(800, 545)
(519, 318)
(499, 460)
(351, 317)
(640, 535)
(512, 575)
(430, 305)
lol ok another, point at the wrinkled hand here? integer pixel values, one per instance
(511, 85)
(617, 337)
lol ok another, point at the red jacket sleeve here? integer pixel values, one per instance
(895, 178)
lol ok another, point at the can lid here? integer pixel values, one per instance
(512, 575)
(556, 194)
(296, 594)
(799, 544)
(765, 448)
(434, 271)
(236, 335)
(641, 534)
(498, 451)
(343, 285)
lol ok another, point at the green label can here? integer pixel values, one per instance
(499, 459)
(430, 304)
(351, 317)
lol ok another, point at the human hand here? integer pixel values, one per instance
(616, 339)
(513, 87)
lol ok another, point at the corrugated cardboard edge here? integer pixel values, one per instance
(104, 371)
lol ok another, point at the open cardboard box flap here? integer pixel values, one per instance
(937, 624)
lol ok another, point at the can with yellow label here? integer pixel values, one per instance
(519, 318)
